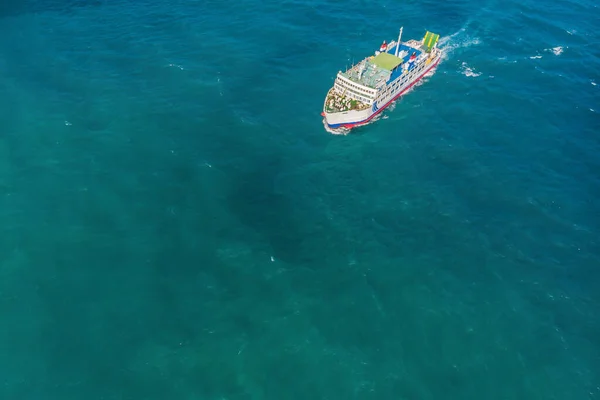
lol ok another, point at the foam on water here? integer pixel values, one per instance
(556, 50)
(468, 71)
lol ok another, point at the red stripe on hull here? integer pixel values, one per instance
(349, 126)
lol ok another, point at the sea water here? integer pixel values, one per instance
(176, 223)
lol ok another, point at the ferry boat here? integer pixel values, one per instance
(371, 85)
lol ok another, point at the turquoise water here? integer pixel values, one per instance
(176, 223)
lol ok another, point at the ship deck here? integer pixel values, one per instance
(370, 77)
(374, 74)
(410, 50)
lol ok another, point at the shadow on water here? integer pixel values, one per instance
(254, 201)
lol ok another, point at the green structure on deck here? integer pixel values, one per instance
(386, 61)
(430, 40)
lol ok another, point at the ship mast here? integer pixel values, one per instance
(398, 44)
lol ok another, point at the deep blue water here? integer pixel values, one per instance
(176, 223)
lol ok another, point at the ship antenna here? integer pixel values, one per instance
(398, 44)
